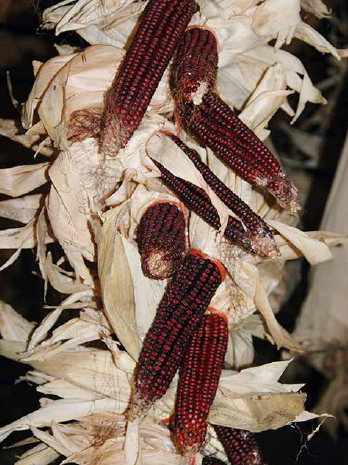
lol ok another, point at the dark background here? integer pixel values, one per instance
(22, 41)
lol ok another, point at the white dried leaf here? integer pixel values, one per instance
(9, 128)
(315, 7)
(38, 455)
(22, 209)
(117, 282)
(20, 180)
(12, 325)
(313, 250)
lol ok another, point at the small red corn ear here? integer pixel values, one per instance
(198, 381)
(161, 237)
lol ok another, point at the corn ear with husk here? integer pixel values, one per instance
(93, 208)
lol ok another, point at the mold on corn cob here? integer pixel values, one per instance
(198, 381)
(182, 307)
(159, 32)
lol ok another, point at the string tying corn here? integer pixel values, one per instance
(161, 27)
(214, 123)
(198, 201)
(240, 446)
(180, 310)
(262, 240)
(198, 381)
(161, 239)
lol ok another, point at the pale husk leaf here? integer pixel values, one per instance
(20, 180)
(22, 209)
(9, 128)
(39, 455)
(116, 282)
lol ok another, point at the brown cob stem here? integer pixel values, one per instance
(262, 240)
(161, 27)
(198, 381)
(214, 123)
(180, 310)
(198, 201)
(161, 237)
(240, 446)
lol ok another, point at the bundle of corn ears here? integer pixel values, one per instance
(188, 215)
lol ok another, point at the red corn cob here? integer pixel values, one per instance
(195, 64)
(240, 446)
(179, 312)
(161, 239)
(214, 123)
(217, 126)
(212, 461)
(161, 27)
(262, 241)
(198, 201)
(198, 381)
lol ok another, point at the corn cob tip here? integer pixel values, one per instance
(161, 237)
(283, 190)
(265, 246)
(138, 407)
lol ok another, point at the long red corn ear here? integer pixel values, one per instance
(198, 381)
(212, 461)
(162, 25)
(161, 239)
(198, 201)
(182, 307)
(263, 242)
(218, 127)
(240, 446)
(195, 64)
(214, 123)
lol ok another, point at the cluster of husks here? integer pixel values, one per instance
(185, 335)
